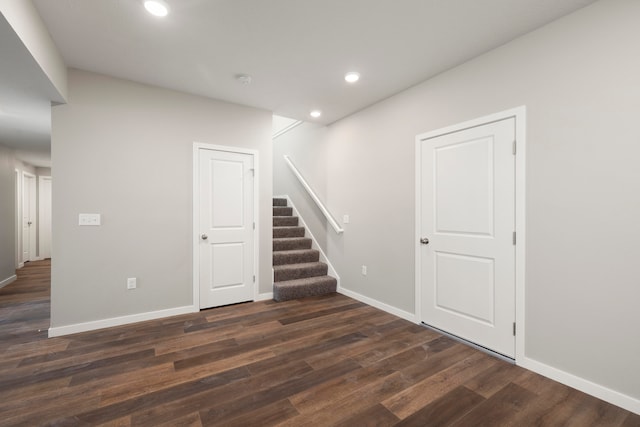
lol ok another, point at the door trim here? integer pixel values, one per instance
(195, 229)
(519, 115)
(44, 211)
(18, 219)
(33, 214)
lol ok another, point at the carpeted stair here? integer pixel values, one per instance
(297, 269)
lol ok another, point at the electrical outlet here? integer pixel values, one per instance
(364, 270)
(345, 219)
(132, 283)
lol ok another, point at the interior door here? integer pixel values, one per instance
(28, 217)
(467, 255)
(226, 240)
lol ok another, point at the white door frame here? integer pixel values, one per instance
(33, 215)
(519, 114)
(44, 210)
(18, 221)
(197, 146)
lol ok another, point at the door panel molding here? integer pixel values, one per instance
(519, 116)
(197, 146)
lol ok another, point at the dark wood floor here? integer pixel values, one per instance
(320, 361)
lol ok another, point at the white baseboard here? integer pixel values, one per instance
(21, 265)
(614, 397)
(380, 305)
(8, 280)
(586, 386)
(265, 296)
(118, 321)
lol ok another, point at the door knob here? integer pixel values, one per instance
(204, 237)
(424, 240)
(29, 223)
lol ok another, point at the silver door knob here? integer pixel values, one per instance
(204, 237)
(424, 240)
(29, 223)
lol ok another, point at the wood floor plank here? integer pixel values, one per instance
(632, 420)
(221, 413)
(120, 422)
(445, 410)
(269, 415)
(374, 416)
(189, 420)
(499, 408)
(321, 361)
(151, 400)
(370, 350)
(182, 406)
(359, 384)
(494, 379)
(421, 394)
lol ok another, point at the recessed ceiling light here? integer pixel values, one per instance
(315, 114)
(352, 77)
(157, 7)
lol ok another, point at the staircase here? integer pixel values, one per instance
(297, 269)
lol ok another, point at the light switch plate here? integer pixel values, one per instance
(345, 219)
(89, 219)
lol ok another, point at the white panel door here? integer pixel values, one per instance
(44, 217)
(467, 268)
(28, 217)
(226, 228)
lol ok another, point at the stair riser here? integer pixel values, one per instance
(279, 202)
(284, 292)
(284, 258)
(279, 232)
(285, 221)
(281, 275)
(289, 245)
(282, 211)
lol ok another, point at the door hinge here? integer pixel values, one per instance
(253, 172)
(254, 281)
(254, 225)
(514, 237)
(514, 148)
(514, 329)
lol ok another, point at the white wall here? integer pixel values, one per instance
(124, 150)
(7, 214)
(27, 24)
(579, 78)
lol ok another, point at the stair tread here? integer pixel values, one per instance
(306, 281)
(289, 231)
(295, 256)
(300, 266)
(296, 251)
(290, 243)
